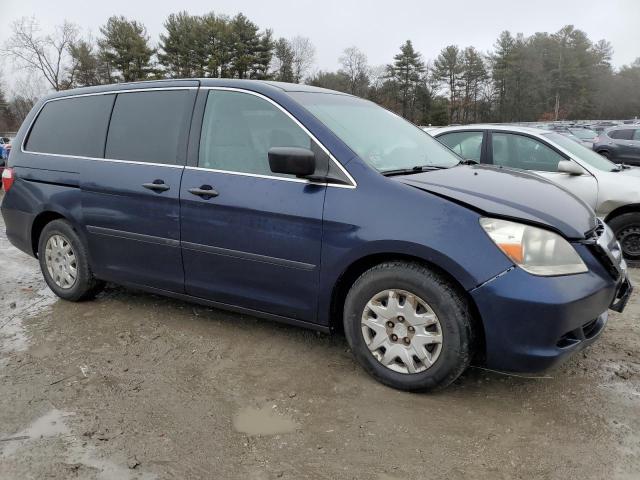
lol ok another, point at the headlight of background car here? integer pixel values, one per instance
(535, 250)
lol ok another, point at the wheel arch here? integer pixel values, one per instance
(353, 271)
(629, 208)
(45, 217)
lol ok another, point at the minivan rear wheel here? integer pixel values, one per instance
(65, 264)
(408, 326)
(626, 228)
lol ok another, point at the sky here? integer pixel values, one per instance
(377, 27)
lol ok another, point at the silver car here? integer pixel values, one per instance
(611, 190)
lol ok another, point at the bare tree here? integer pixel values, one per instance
(304, 54)
(354, 66)
(45, 54)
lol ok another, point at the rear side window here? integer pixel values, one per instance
(626, 134)
(148, 126)
(466, 144)
(238, 130)
(636, 134)
(72, 126)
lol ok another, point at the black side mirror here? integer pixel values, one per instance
(300, 162)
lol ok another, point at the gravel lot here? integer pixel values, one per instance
(133, 385)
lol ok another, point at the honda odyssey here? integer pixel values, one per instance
(314, 208)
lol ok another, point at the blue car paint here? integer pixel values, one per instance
(279, 249)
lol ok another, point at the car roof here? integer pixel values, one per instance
(255, 85)
(490, 126)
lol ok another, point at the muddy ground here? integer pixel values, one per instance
(133, 385)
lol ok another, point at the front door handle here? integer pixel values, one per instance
(205, 191)
(157, 186)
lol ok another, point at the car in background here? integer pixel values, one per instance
(620, 144)
(613, 191)
(586, 136)
(5, 147)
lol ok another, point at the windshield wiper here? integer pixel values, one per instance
(620, 167)
(412, 170)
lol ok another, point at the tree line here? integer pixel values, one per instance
(545, 76)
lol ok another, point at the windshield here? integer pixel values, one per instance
(583, 133)
(384, 140)
(582, 153)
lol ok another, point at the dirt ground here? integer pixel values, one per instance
(133, 385)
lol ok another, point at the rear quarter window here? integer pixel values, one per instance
(72, 126)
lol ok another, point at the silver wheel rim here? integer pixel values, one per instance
(61, 261)
(402, 331)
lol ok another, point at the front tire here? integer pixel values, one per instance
(65, 264)
(408, 326)
(626, 228)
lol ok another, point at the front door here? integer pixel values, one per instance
(250, 238)
(528, 153)
(130, 200)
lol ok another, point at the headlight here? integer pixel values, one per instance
(535, 250)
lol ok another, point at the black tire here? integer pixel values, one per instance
(605, 154)
(450, 306)
(626, 227)
(86, 286)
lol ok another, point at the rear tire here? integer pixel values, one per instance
(389, 338)
(65, 264)
(626, 228)
(605, 154)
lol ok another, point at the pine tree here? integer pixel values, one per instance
(283, 60)
(406, 71)
(125, 49)
(448, 68)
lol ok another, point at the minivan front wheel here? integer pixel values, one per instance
(408, 326)
(64, 262)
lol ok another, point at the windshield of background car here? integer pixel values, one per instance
(584, 133)
(581, 152)
(381, 138)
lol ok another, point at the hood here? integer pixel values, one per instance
(509, 193)
(629, 172)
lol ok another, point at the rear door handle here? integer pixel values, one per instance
(205, 191)
(157, 186)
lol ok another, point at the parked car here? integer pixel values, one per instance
(620, 144)
(5, 147)
(314, 208)
(586, 136)
(613, 192)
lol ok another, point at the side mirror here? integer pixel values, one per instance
(572, 168)
(300, 162)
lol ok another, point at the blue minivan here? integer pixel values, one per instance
(315, 208)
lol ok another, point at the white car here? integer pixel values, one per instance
(611, 190)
